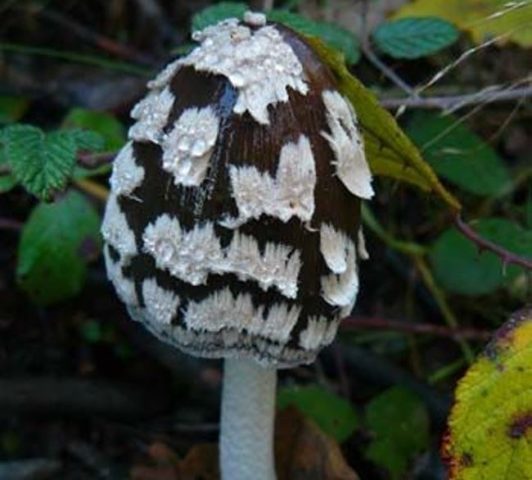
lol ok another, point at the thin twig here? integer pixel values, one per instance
(74, 396)
(92, 459)
(106, 44)
(417, 253)
(8, 224)
(451, 102)
(30, 468)
(374, 59)
(507, 257)
(92, 188)
(387, 71)
(443, 304)
(464, 56)
(94, 160)
(375, 323)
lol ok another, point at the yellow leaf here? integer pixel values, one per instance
(483, 19)
(490, 428)
(390, 152)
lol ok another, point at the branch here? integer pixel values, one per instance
(95, 160)
(375, 60)
(507, 257)
(8, 224)
(387, 71)
(453, 102)
(106, 44)
(375, 323)
(92, 188)
(72, 396)
(30, 468)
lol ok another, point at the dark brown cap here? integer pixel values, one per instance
(232, 228)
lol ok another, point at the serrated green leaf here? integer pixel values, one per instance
(459, 266)
(388, 150)
(216, 13)
(333, 414)
(399, 423)
(458, 154)
(414, 37)
(104, 124)
(56, 243)
(41, 162)
(85, 140)
(490, 426)
(334, 35)
(507, 22)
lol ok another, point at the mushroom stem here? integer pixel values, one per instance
(248, 408)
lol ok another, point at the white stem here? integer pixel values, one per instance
(248, 409)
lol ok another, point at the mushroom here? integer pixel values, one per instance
(232, 228)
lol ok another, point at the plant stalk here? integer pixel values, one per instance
(247, 421)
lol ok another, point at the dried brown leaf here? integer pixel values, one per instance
(302, 452)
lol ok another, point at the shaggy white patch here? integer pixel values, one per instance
(279, 323)
(188, 147)
(165, 76)
(184, 254)
(125, 288)
(151, 114)
(333, 246)
(319, 332)
(290, 193)
(255, 19)
(161, 304)
(127, 175)
(223, 310)
(341, 290)
(116, 231)
(259, 64)
(346, 142)
(361, 245)
(279, 266)
(191, 256)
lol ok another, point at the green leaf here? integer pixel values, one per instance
(12, 108)
(337, 37)
(414, 37)
(458, 154)
(459, 266)
(334, 415)
(507, 22)
(91, 331)
(41, 162)
(112, 131)
(85, 140)
(388, 150)
(56, 243)
(490, 426)
(217, 13)
(399, 423)
(7, 182)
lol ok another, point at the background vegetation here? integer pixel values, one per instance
(87, 394)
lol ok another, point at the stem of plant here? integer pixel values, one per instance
(247, 421)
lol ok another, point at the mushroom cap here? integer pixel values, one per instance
(232, 228)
